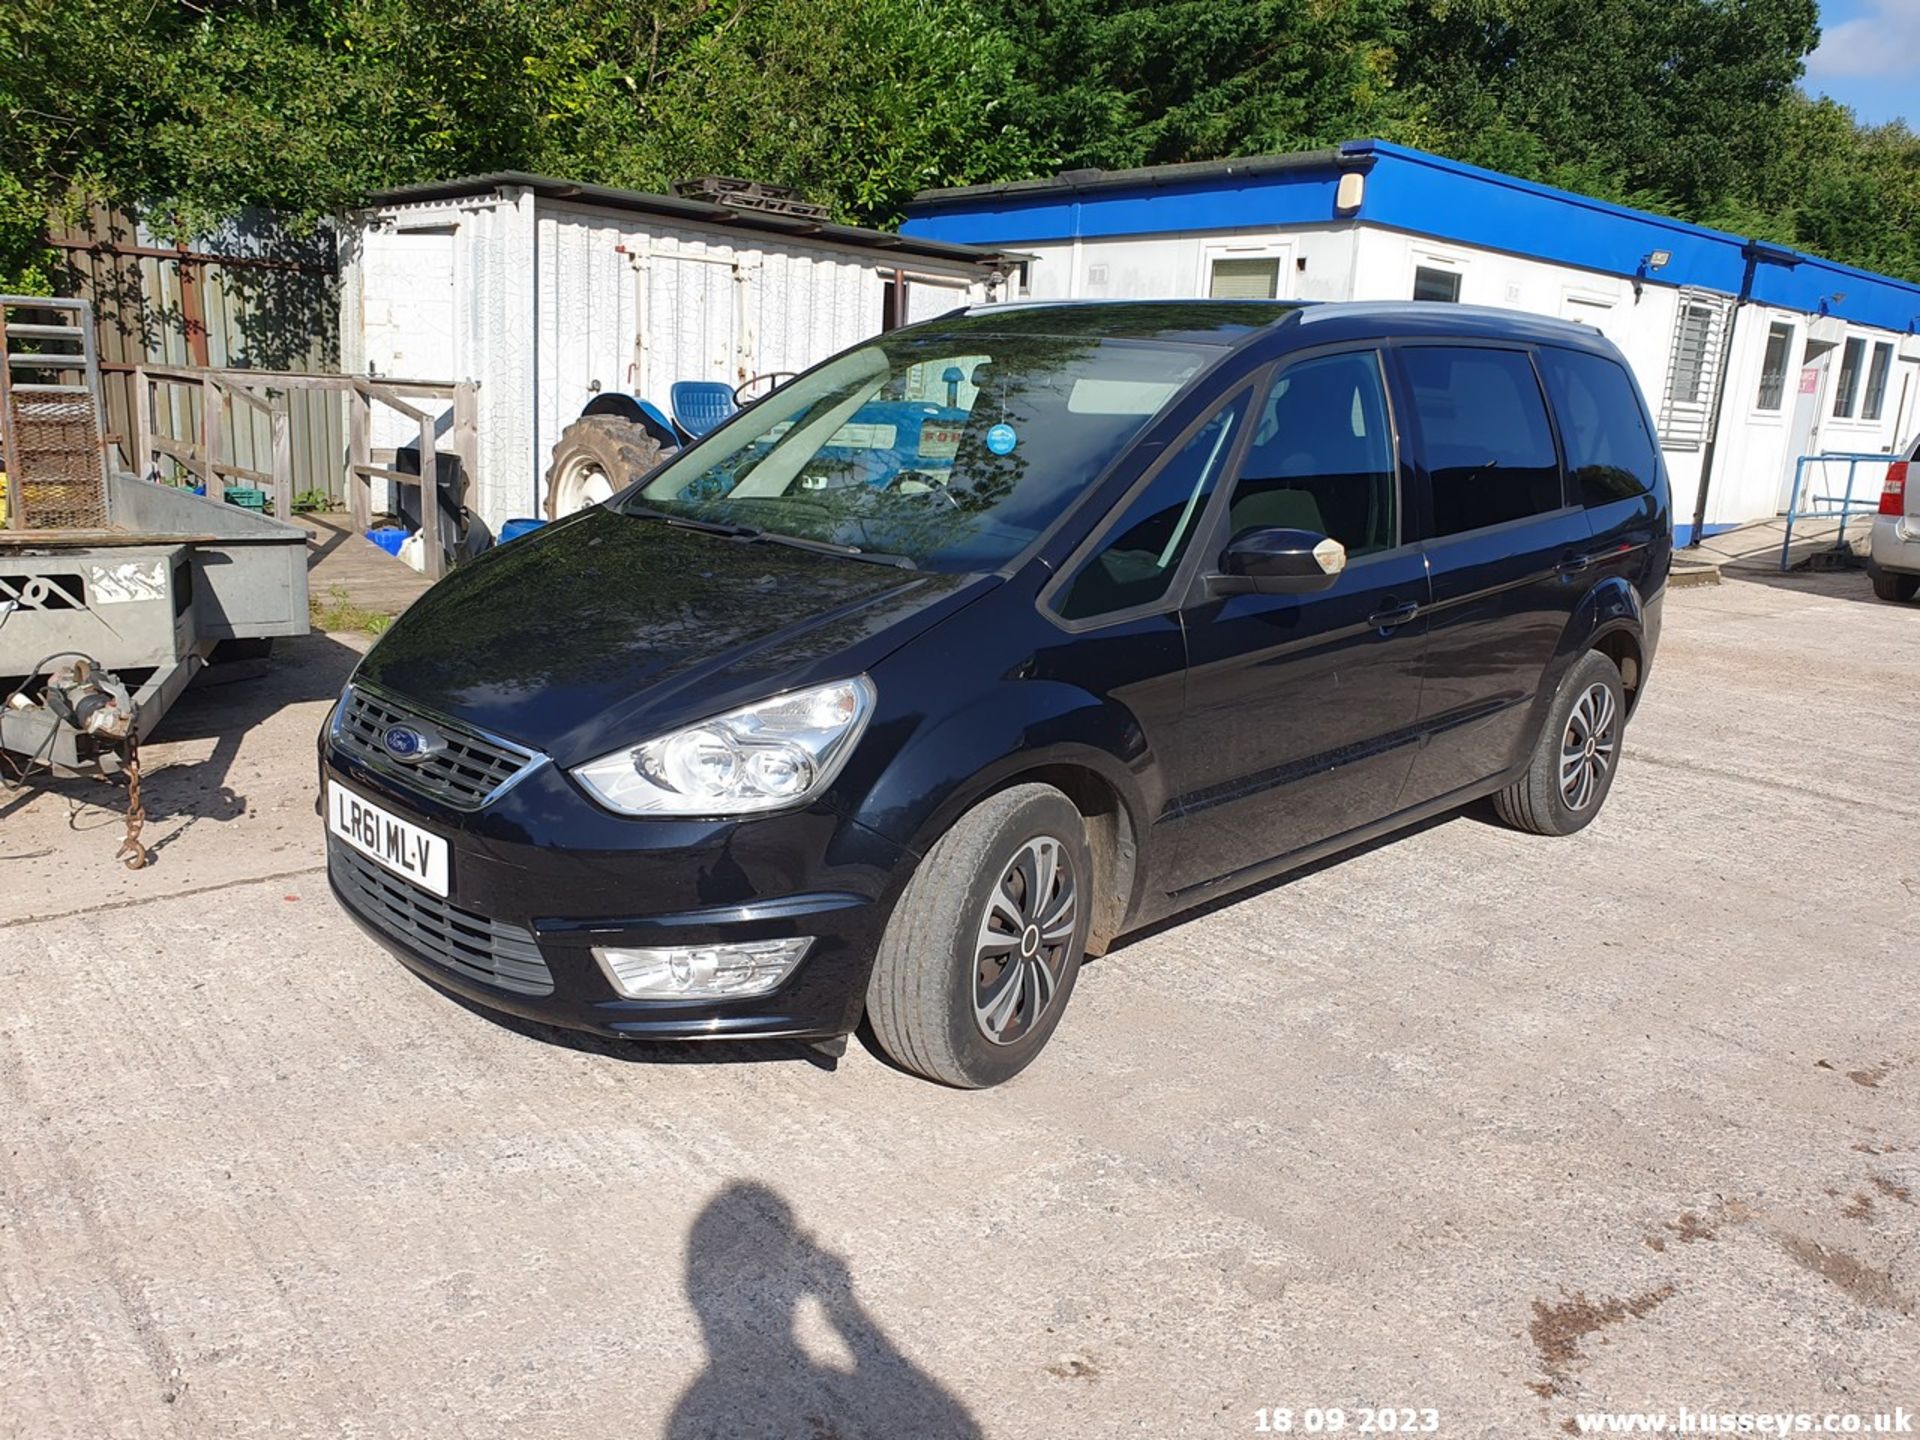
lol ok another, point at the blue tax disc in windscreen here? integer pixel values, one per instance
(1001, 439)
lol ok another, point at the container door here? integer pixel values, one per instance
(408, 306)
(408, 298)
(690, 325)
(1809, 400)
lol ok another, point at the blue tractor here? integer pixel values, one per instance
(620, 436)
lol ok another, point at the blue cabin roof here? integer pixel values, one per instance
(1413, 191)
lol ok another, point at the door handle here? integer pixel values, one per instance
(1574, 564)
(1393, 616)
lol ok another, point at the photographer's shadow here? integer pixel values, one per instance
(748, 1268)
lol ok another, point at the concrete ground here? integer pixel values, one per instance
(1503, 1127)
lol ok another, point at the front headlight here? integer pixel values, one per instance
(780, 752)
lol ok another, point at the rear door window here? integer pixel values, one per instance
(1484, 435)
(1610, 452)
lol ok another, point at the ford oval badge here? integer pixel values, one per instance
(407, 744)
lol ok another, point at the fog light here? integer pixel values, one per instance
(702, 972)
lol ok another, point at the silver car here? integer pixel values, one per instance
(1894, 561)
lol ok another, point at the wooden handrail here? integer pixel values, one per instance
(394, 402)
(297, 380)
(218, 384)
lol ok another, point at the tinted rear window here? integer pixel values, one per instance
(1610, 451)
(1484, 435)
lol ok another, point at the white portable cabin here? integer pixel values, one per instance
(1824, 357)
(548, 293)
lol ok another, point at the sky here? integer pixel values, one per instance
(1869, 58)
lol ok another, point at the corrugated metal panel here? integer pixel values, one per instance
(549, 309)
(501, 352)
(713, 310)
(928, 297)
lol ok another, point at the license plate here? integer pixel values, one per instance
(399, 845)
(939, 442)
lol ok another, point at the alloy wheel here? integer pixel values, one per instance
(1587, 749)
(1021, 949)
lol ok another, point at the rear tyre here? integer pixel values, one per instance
(981, 954)
(596, 458)
(1895, 587)
(1574, 760)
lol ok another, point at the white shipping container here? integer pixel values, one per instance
(548, 294)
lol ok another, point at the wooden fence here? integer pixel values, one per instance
(252, 295)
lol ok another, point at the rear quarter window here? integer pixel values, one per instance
(1611, 454)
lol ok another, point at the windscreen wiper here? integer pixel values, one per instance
(833, 547)
(689, 522)
(750, 533)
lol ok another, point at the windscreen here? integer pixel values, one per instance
(954, 452)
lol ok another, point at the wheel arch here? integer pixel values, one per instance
(1621, 643)
(1112, 835)
(1610, 618)
(1102, 788)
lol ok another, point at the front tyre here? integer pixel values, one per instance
(983, 950)
(1574, 760)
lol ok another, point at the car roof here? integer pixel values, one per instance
(1203, 322)
(1242, 322)
(1418, 319)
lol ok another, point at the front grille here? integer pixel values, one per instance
(503, 956)
(466, 774)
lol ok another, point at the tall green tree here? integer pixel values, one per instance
(1115, 83)
(304, 106)
(195, 112)
(1672, 103)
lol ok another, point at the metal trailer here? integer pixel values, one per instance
(114, 592)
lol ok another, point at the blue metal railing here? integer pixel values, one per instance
(1820, 507)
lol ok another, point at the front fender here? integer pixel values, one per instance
(644, 413)
(1015, 727)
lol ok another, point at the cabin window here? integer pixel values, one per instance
(1244, 279)
(1432, 283)
(1773, 368)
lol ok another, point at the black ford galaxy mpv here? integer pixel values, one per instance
(992, 639)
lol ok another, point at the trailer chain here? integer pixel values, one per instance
(131, 851)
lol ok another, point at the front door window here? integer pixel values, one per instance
(1321, 457)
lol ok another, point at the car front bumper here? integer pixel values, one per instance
(541, 876)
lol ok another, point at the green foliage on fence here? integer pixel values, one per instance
(196, 112)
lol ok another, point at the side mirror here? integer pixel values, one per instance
(1278, 562)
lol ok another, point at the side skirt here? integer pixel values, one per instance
(1280, 865)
